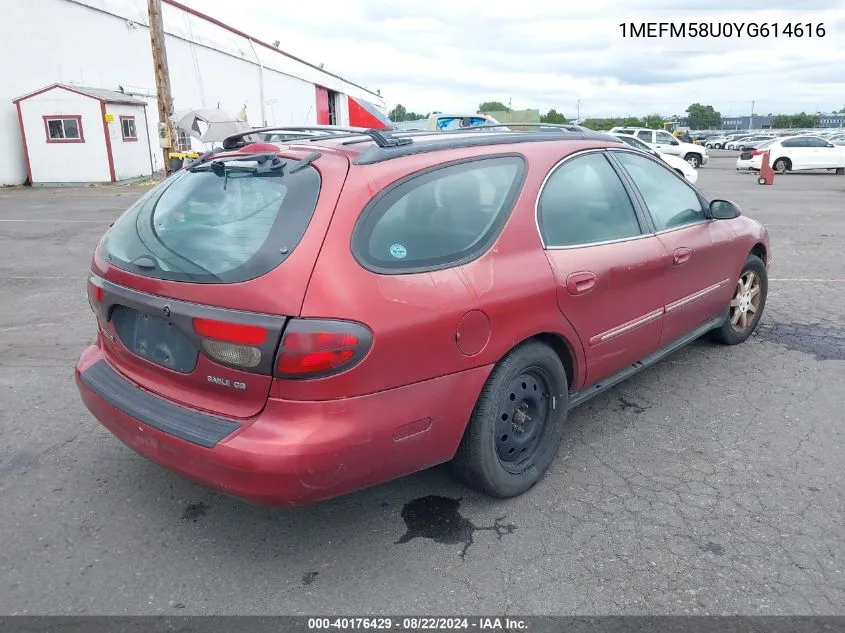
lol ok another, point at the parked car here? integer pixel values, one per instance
(836, 139)
(288, 326)
(665, 143)
(716, 142)
(739, 143)
(682, 167)
(796, 153)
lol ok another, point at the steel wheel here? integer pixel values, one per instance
(746, 301)
(523, 412)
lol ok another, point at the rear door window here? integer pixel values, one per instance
(644, 136)
(222, 221)
(585, 202)
(438, 218)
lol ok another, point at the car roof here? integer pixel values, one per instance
(369, 146)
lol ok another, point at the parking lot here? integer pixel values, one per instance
(711, 483)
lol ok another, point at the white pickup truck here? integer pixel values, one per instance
(665, 143)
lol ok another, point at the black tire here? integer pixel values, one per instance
(782, 165)
(761, 181)
(718, 146)
(708, 145)
(493, 429)
(728, 334)
(693, 159)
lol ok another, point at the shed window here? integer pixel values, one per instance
(127, 128)
(64, 128)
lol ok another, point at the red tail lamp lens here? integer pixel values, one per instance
(315, 352)
(230, 332)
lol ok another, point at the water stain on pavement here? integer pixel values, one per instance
(825, 343)
(310, 577)
(193, 511)
(713, 548)
(437, 518)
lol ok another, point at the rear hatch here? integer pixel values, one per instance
(194, 284)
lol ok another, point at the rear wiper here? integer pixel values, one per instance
(266, 162)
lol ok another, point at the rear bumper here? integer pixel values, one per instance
(293, 452)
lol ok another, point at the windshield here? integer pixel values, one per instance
(222, 221)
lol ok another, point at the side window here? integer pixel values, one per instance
(670, 201)
(583, 202)
(666, 138)
(795, 142)
(439, 218)
(644, 135)
(814, 141)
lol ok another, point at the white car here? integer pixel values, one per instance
(665, 143)
(795, 153)
(682, 167)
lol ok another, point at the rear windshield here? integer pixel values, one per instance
(222, 221)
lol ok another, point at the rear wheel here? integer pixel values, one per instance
(694, 160)
(517, 425)
(746, 305)
(782, 165)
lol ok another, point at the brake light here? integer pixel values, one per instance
(757, 153)
(231, 343)
(230, 332)
(319, 348)
(95, 293)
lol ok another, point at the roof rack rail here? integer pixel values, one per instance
(238, 140)
(382, 138)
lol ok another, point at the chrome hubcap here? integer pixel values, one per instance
(746, 301)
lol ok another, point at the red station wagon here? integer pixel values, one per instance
(288, 323)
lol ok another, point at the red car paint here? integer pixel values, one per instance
(436, 335)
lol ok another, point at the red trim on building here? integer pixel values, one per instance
(323, 112)
(25, 148)
(232, 29)
(109, 152)
(128, 139)
(360, 117)
(63, 117)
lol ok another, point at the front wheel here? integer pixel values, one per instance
(694, 160)
(746, 305)
(517, 424)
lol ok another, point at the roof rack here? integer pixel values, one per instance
(382, 138)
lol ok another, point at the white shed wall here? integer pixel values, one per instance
(93, 43)
(131, 158)
(65, 162)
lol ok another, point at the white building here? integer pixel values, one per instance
(74, 134)
(105, 44)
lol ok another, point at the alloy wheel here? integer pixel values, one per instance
(746, 301)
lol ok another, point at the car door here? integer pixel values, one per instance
(701, 271)
(608, 265)
(667, 143)
(798, 151)
(824, 155)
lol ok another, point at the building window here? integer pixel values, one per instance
(183, 140)
(127, 128)
(64, 128)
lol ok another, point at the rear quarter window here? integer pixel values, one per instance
(438, 218)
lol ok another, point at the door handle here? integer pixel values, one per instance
(580, 283)
(682, 255)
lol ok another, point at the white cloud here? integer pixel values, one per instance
(449, 55)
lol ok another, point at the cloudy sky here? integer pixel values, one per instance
(452, 55)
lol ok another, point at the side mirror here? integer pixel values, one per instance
(831, 145)
(724, 210)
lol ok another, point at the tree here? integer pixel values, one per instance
(842, 111)
(653, 121)
(703, 117)
(795, 120)
(399, 113)
(493, 106)
(552, 116)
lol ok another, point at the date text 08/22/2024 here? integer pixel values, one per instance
(752, 30)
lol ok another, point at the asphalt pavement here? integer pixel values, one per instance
(712, 483)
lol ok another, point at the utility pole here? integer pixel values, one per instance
(162, 78)
(578, 109)
(751, 120)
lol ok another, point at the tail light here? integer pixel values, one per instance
(95, 293)
(231, 343)
(757, 152)
(319, 348)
